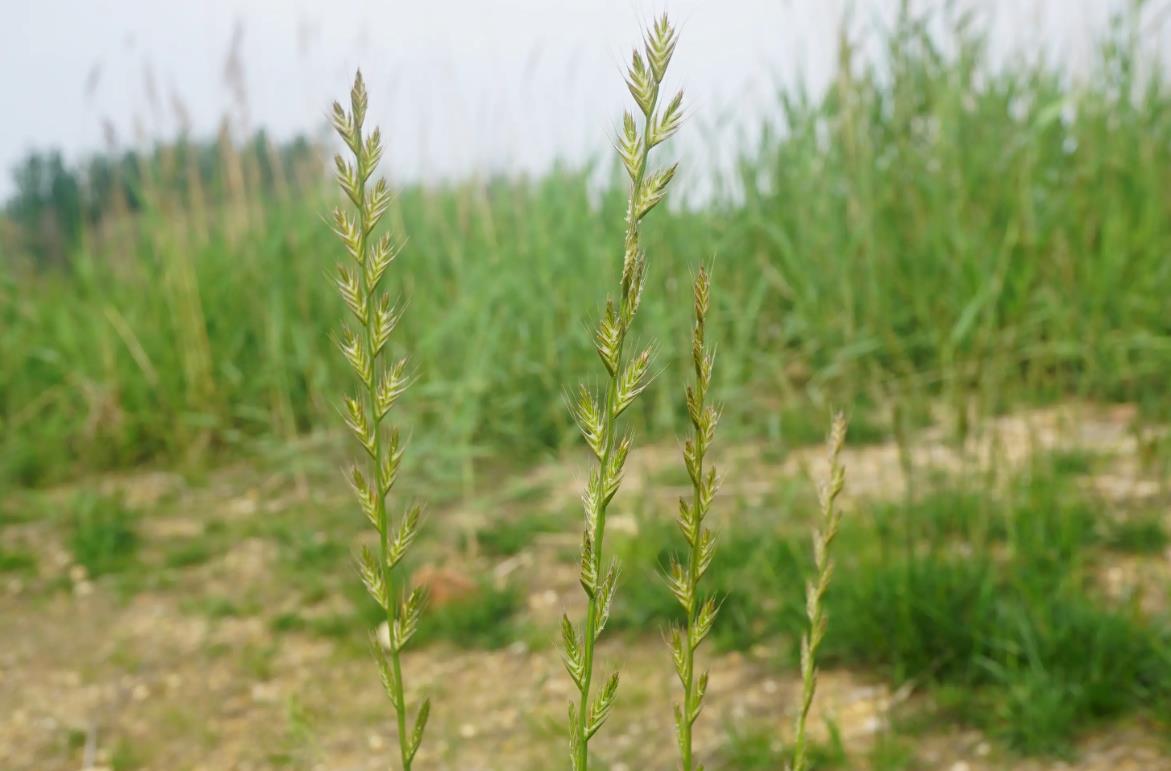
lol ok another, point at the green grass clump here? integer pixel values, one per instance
(759, 750)
(1007, 614)
(1038, 659)
(512, 535)
(484, 619)
(189, 553)
(14, 561)
(104, 534)
(1138, 533)
(988, 597)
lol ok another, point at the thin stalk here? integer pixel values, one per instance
(380, 514)
(684, 581)
(610, 432)
(828, 522)
(626, 380)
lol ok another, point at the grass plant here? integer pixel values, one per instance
(827, 530)
(626, 378)
(683, 578)
(104, 537)
(382, 383)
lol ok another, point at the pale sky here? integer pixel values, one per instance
(457, 86)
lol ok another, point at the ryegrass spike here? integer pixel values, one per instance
(376, 317)
(829, 519)
(626, 380)
(683, 580)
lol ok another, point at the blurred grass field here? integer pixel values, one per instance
(930, 228)
(935, 242)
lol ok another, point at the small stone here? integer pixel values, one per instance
(77, 573)
(983, 748)
(960, 765)
(467, 731)
(265, 693)
(244, 506)
(140, 692)
(375, 742)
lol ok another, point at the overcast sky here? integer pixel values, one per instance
(457, 86)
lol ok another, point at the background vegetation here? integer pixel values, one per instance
(930, 225)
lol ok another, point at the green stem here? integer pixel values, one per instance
(371, 300)
(693, 611)
(610, 437)
(592, 606)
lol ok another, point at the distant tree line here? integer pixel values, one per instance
(55, 203)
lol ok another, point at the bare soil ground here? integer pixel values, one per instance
(181, 668)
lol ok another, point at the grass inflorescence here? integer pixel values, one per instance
(375, 315)
(827, 530)
(683, 577)
(626, 378)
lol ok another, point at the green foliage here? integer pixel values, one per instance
(54, 204)
(512, 535)
(988, 234)
(758, 750)
(14, 561)
(104, 536)
(1139, 533)
(1040, 657)
(486, 618)
(985, 593)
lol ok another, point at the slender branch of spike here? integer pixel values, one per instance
(829, 520)
(684, 579)
(626, 380)
(382, 384)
